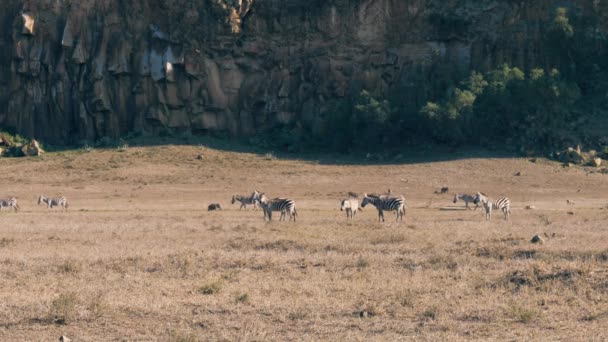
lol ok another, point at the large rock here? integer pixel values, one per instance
(32, 149)
(571, 155)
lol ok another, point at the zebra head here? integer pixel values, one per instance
(261, 198)
(233, 199)
(255, 196)
(456, 197)
(366, 200)
(40, 199)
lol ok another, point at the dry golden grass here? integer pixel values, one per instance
(137, 257)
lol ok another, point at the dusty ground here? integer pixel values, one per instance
(138, 257)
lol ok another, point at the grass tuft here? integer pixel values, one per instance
(211, 288)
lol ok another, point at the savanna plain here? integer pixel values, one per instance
(137, 256)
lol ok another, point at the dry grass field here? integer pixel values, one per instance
(138, 258)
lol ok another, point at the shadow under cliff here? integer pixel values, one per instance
(415, 153)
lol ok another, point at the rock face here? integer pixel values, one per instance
(32, 149)
(72, 71)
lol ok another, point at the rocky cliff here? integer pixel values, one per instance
(80, 70)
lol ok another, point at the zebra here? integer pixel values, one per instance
(245, 200)
(9, 203)
(351, 206)
(53, 202)
(467, 199)
(284, 205)
(385, 203)
(502, 203)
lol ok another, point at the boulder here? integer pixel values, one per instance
(32, 149)
(5, 140)
(571, 155)
(214, 206)
(537, 239)
(596, 162)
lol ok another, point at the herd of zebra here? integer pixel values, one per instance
(50, 202)
(384, 202)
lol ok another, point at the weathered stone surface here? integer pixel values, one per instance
(28, 23)
(87, 69)
(32, 149)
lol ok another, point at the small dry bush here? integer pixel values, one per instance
(69, 266)
(298, 314)
(177, 336)
(97, 307)
(362, 263)
(524, 314)
(211, 288)
(241, 298)
(4, 242)
(63, 308)
(431, 313)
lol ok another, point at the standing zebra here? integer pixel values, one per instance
(284, 205)
(53, 202)
(9, 203)
(351, 206)
(467, 199)
(245, 200)
(502, 203)
(385, 203)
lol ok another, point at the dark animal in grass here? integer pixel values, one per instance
(214, 206)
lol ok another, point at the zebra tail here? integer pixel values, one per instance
(66, 204)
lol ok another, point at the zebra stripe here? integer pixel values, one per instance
(245, 200)
(284, 205)
(53, 202)
(467, 199)
(502, 204)
(385, 203)
(9, 203)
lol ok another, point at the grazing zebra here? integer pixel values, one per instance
(502, 203)
(245, 200)
(284, 205)
(467, 199)
(351, 206)
(9, 203)
(53, 202)
(385, 203)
